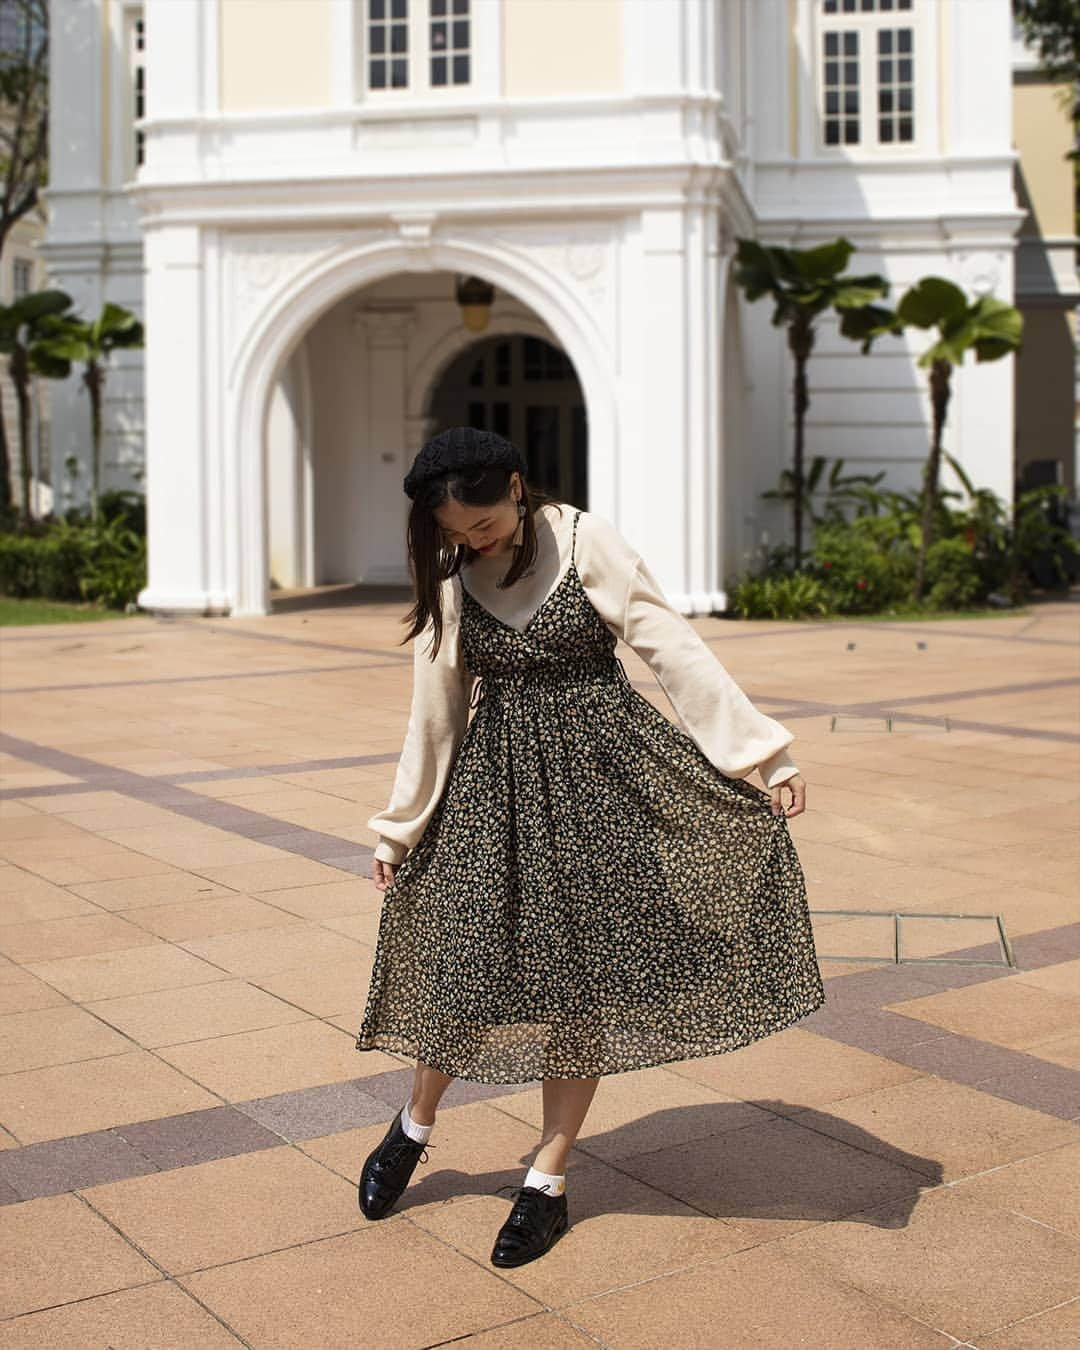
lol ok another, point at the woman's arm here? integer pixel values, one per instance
(714, 711)
(438, 717)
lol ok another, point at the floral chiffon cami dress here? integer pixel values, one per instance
(590, 895)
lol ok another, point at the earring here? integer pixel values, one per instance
(519, 533)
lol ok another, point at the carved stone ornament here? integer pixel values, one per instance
(582, 256)
(980, 273)
(258, 266)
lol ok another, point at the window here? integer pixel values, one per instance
(896, 85)
(420, 45)
(137, 83)
(22, 32)
(22, 278)
(865, 6)
(867, 73)
(388, 44)
(449, 42)
(841, 77)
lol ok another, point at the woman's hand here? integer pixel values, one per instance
(383, 874)
(796, 785)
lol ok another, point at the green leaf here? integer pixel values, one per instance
(39, 303)
(116, 327)
(854, 292)
(956, 468)
(50, 365)
(932, 301)
(999, 328)
(869, 322)
(826, 260)
(64, 347)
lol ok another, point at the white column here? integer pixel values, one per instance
(182, 497)
(675, 459)
(385, 506)
(182, 55)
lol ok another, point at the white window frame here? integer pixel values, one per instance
(20, 264)
(484, 44)
(868, 25)
(123, 16)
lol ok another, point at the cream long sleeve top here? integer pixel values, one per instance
(713, 710)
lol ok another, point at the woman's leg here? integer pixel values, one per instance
(428, 1087)
(566, 1103)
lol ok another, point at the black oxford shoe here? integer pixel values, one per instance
(387, 1170)
(536, 1222)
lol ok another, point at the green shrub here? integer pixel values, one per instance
(953, 578)
(779, 597)
(1043, 548)
(865, 565)
(125, 506)
(80, 562)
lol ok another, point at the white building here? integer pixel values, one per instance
(312, 176)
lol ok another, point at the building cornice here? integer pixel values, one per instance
(453, 194)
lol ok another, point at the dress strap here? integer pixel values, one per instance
(573, 537)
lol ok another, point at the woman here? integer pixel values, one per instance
(574, 886)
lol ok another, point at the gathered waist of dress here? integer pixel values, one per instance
(510, 683)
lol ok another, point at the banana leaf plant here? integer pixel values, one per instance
(23, 326)
(92, 343)
(988, 327)
(842, 487)
(803, 284)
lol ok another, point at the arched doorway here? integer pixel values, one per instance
(238, 518)
(376, 372)
(526, 389)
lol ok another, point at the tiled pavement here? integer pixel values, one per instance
(186, 925)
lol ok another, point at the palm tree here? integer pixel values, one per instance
(73, 339)
(803, 284)
(23, 326)
(991, 328)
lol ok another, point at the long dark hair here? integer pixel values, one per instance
(431, 561)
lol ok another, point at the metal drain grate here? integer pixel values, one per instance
(849, 722)
(898, 941)
(887, 722)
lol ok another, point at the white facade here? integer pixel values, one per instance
(293, 235)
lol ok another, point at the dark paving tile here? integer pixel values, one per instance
(357, 863)
(1048, 947)
(985, 951)
(947, 976)
(872, 988)
(460, 1092)
(306, 843)
(312, 1112)
(871, 1029)
(293, 766)
(8, 1194)
(962, 1059)
(1051, 1088)
(393, 1087)
(197, 1136)
(58, 1165)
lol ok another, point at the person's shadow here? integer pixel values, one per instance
(792, 1163)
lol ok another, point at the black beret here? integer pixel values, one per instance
(461, 448)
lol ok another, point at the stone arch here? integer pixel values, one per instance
(441, 355)
(307, 295)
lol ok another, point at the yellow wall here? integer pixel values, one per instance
(1042, 132)
(562, 47)
(274, 54)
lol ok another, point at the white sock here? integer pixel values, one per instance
(555, 1184)
(421, 1133)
